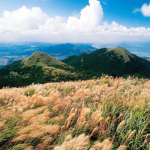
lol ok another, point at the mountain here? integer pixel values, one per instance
(10, 52)
(38, 68)
(69, 49)
(42, 68)
(112, 61)
(147, 58)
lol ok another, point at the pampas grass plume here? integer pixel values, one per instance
(106, 142)
(122, 147)
(97, 146)
(53, 129)
(29, 148)
(68, 138)
(20, 138)
(121, 125)
(130, 136)
(96, 98)
(85, 111)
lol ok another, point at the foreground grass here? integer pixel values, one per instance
(85, 115)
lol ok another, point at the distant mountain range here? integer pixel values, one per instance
(147, 58)
(42, 68)
(10, 52)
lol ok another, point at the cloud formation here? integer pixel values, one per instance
(136, 10)
(22, 20)
(89, 19)
(34, 25)
(145, 9)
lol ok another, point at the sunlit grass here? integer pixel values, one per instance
(84, 115)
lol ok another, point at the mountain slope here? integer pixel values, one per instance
(42, 59)
(112, 61)
(10, 52)
(38, 68)
(69, 49)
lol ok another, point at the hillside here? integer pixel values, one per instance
(112, 61)
(38, 68)
(69, 49)
(104, 114)
(10, 52)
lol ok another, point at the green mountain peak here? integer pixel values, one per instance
(41, 59)
(121, 52)
(38, 68)
(112, 61)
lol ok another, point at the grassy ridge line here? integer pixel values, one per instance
(38, 68)
(95, 114)
(111, 61)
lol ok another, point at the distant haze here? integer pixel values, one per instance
(141, 49)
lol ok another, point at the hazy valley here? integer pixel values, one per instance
(10, 52)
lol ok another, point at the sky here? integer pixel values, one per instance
(84, 21)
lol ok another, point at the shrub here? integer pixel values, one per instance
(29, 92)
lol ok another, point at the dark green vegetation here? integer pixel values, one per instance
(42, 68)
(38, 68)
(112, 61)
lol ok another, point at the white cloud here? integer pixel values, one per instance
(34, 25)
(105, 3)
(145, 9)
(22, 20)
(89, 18)
(53, 25)
(136, 10)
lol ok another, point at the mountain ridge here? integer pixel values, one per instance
(42, 59)
(120, 51)
(42, 68)
(38, 68)
(10, 52)
(112, 61)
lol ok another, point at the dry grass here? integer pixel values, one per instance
(84, 115)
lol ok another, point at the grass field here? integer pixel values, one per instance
(105, 114)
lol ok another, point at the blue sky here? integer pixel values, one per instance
(119, 10)
(122, 12)
(63, 20)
